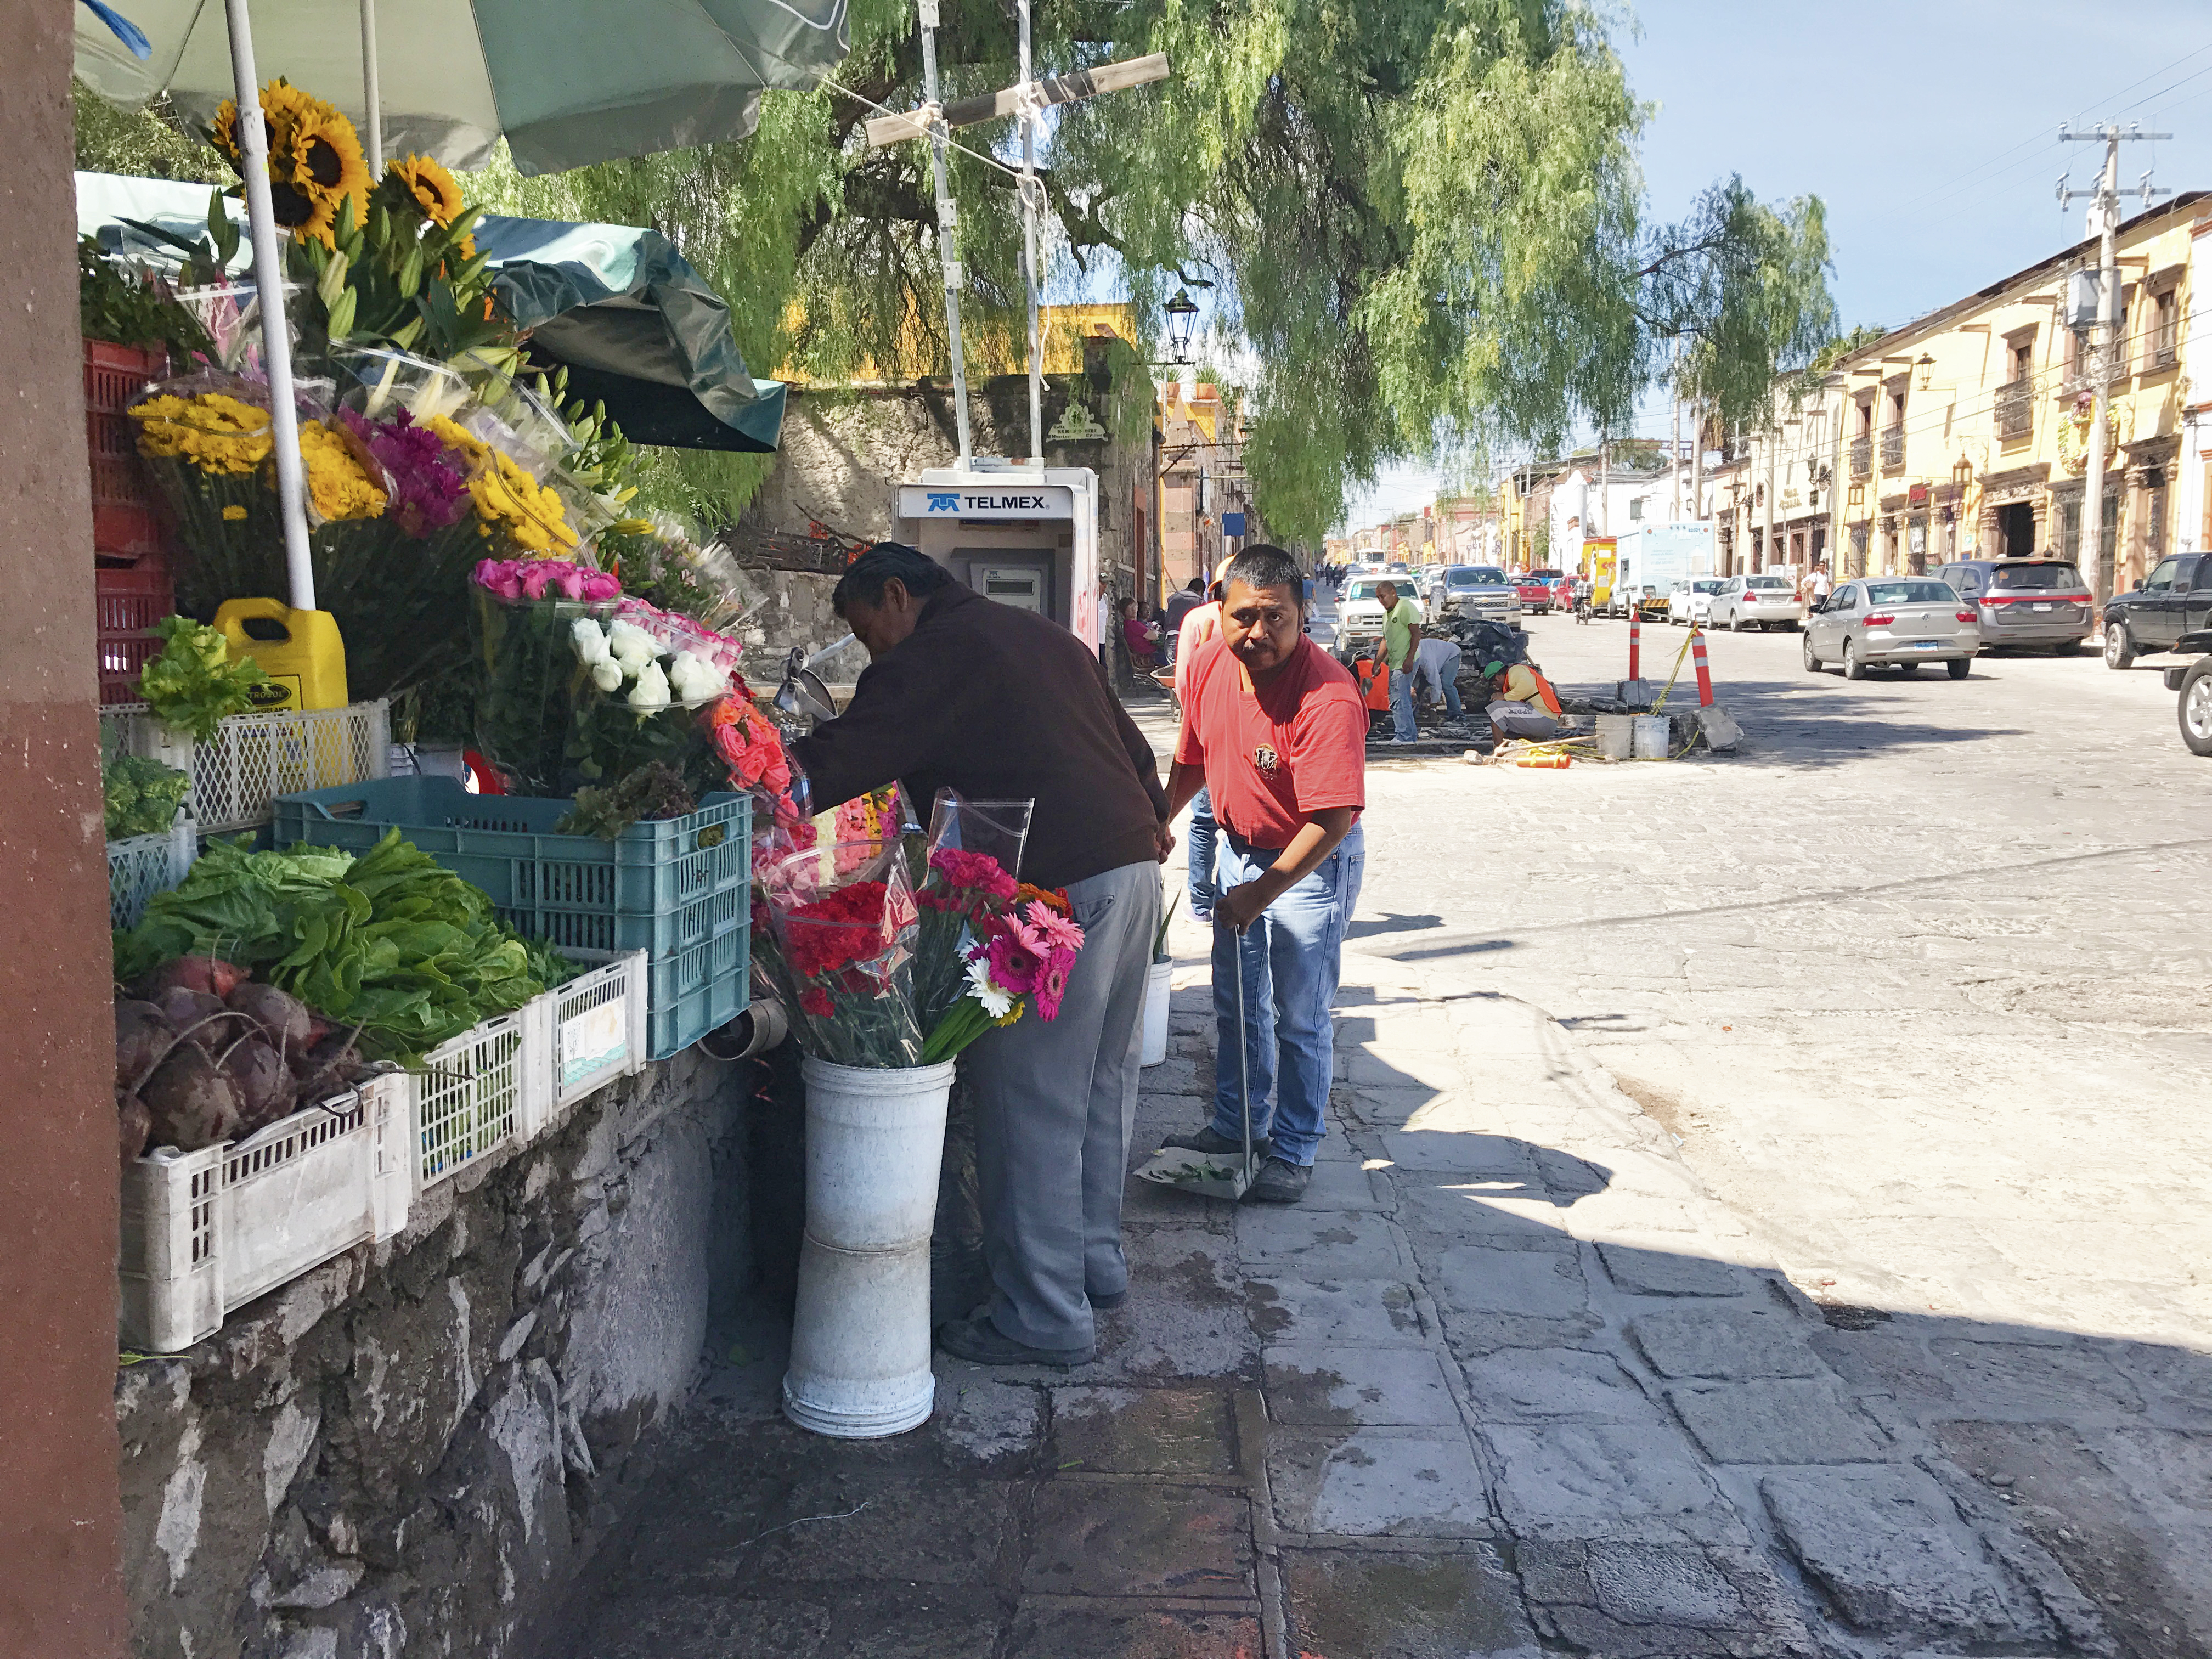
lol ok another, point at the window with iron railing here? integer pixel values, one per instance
(1892, 445)
(2165, 315)
(1862, 456)
(2015, 408)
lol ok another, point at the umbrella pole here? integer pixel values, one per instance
(276, 330)
(372, 96)
(1029, 241)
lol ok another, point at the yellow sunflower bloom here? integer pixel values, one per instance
(429, 185)
(315, 162)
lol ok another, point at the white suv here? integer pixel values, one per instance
(1760, 602)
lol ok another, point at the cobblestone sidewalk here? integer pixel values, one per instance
(1507, 1382)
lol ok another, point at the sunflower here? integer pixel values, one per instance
(429, 185)
(314, 159)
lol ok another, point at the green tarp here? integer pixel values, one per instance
(637, 325)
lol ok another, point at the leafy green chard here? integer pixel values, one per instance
(391, 940)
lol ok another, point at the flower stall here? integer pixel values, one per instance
(385, 980)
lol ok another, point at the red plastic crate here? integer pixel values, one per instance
(128, 519)
(127, 604)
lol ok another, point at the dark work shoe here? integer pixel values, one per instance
(980, 1341)
(1279, 1181)
(1215, 1145)
(1107, 1303)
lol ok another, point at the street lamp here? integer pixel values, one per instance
(1182, 317)
(1927, 366)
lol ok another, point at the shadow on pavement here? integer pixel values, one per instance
(1487, 1391)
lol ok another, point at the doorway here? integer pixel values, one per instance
(2016, 530)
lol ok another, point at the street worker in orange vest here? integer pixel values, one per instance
(1520, 702)
(1274, 731)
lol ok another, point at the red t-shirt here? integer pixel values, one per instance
(1276, 753)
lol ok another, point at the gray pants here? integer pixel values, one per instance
(1055, 1101)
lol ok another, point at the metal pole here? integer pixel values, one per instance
(948, 244)
(1030, 242)
(269, 282)
(2093, 478)
(1766, 531)
(372, 96)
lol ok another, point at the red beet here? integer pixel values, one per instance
(141, 1037)
(212, 975)
(284, 1018)
(184, 1008)
(264, 1082)
(134, 1125)
(192, 1103)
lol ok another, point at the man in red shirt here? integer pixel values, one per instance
(1274, 731)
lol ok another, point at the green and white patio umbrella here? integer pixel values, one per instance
(566, 82)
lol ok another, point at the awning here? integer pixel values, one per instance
(637, 325)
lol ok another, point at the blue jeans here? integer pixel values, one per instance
(1445, 679)
(1203, 836)
(1401, 704)
(1290, 958)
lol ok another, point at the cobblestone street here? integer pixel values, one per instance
(1746, 1229)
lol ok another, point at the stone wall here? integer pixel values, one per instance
(412, 1449)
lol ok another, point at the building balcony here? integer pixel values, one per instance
(1892, 446)
(2015, 409)
(1861, 456)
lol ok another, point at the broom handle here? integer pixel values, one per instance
(1244, 1074)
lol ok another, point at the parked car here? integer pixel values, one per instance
(1691, 602)
(1476, 590)
(2038, 603)
(1538, 591)
(1563, 593)
(1896, 621)
(1760, 602)
(1359, 614)
(2193, 707)
(2174, 600)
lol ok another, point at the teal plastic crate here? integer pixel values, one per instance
(665, 887)
(697, 991)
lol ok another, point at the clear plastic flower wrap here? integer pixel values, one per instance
(841, 951)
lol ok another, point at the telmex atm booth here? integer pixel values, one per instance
(1014, 534)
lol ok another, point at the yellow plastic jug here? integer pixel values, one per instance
(300, 651)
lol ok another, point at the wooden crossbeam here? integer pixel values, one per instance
(1068, 88)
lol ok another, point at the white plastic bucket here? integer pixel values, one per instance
(1616, 736)
(1156, 1012)
(1649, 742)
(859, 1345)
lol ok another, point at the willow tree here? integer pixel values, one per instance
(1421, 225)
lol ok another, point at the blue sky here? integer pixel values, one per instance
(1929, 130)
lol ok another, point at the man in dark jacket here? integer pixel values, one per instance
(1000, 703)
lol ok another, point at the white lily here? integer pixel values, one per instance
(651, 691)
(996, 1003)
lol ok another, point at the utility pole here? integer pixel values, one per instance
(2104, 223)
(1675, 453)
(948, 222)
(1027, 101)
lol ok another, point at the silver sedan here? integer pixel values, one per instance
(1899, 621)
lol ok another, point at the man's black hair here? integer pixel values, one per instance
(864, 579)
(1195, 585)
(1265, 565)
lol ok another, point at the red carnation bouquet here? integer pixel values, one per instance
(844, 924)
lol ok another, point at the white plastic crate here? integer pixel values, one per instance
(143, 866)
(487, 1087)
(206, 1233)
(254, 758)
(595, 1027)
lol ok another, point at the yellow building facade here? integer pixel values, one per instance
(1963, 434)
